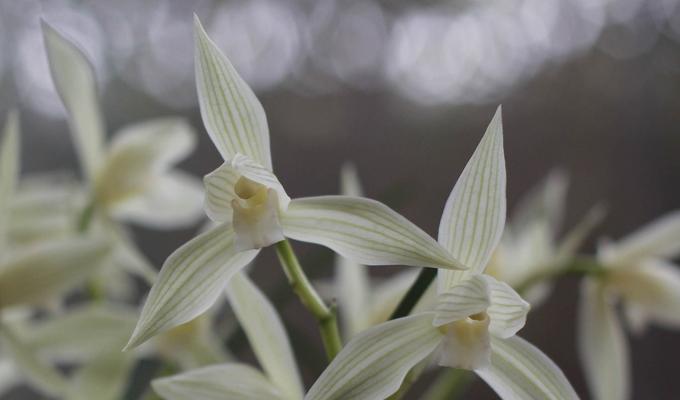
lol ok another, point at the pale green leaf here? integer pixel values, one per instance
(266, 334)
(75, 81)
(364, 231)
(218, 382)
(602, 345)
(374, 363)
(474, 215)
(190, 281)
(233, 117)
(48, 269)
(520, 371)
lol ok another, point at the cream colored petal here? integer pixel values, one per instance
(507, 310)
(266, 335)
(602, 345)
(374, 363)
(520, 371)
(75, 81)
(363, 230)
(466, 343)
(218, 382)
(468, 297)
(474, 215)
(190, 281)
(233, 117)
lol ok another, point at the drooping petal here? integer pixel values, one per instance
(76, 84)
(218, 382)
(657, 239)
(468, 297)
(520, 371)
(190, 281)
(103, 378)
(138, 154)
(172, 200)
(474, 215)
(507, 310)
(363, 230)
(9, 172)
(374, 363)
(602, 345)
(266, 335)
(31, 367)
(233, 116)
(48, 269)
(82, 333)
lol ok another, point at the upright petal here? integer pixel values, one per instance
(190, 281)
(374, 363)
(365, 231)
(656, 239)
(9, 172)
(518, 370)
(474, 215)
(75, 82)
(218, 382)
(602, 345)
(266, 335)
(49, 269)
(172, 200)
(233, 117)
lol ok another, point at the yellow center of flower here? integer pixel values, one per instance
(251, 193)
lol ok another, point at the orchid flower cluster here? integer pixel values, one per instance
(69, 327)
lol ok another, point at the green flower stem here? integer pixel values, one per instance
(415, 292)
(85, 218)
(94, 288)
(325, 315)
(450, 384)
(578, 266)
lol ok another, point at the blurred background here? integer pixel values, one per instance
(404, 89)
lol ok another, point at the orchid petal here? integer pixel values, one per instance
(507, 310)
(217, 382)
(48, 269)
(9, 376)
(474, 215)
(374, 363)
(190, 281)
(172, 200)
(9, 172)
(544, 204)
(75, 81)
(602, 345)
(266, 334)
(364, 231)
(520, 371)
(658, 239)
(468, 297)
(233, 117)
(104, 378)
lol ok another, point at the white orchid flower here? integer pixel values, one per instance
(280, 379)
(638, 273)
(132, 180)
(476, 317)
(253, 210)
(531, 245)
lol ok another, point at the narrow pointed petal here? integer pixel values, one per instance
(9, 172)
(75, 81)
(602, 345)
(657, 239)
(468, 297)
(36, 371)
(519, 371)
(507, 310)
(266, 335)
(104, 378)
(171, 201)
(190, 281)
(374, 363)
(474, 215)
(544, 204)
(575, 237)
(49, 269)
(233, 116)
(219, 185)
(218, 382)
(363, 230)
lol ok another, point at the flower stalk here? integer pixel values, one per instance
(577, 266)
(415, 292)
(325, 315)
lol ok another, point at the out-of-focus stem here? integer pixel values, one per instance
(578, 266)
(415, 292)
(449, 385)
(325, 315)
